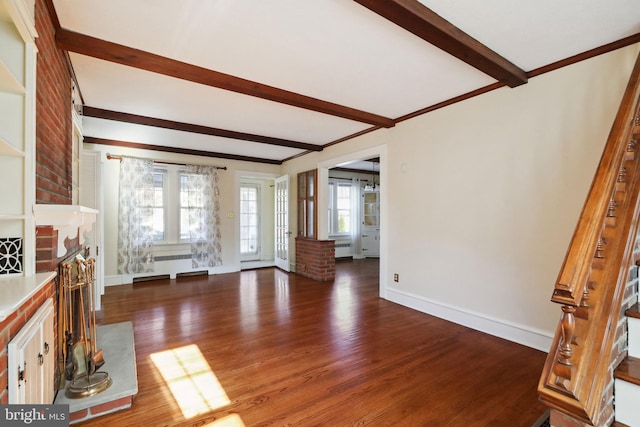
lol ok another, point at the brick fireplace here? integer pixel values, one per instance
(47, 248)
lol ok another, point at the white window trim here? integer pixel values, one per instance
(332, 207)
(257, 255)
(172, 207)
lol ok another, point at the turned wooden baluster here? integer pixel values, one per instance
(622, 179)
(600, 248)
(568, 325)
(631, 148)
(584, 302)
(610, 219)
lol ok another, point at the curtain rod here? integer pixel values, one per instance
(344, 179)
(162, 162)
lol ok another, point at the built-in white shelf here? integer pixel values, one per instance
(16, 290)
(22, 13)
(7, 149)
(8, 82)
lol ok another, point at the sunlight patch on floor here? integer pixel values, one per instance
(192, 382)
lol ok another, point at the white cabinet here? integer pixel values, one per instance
(17, 137)
(31, 361)
(370, 230)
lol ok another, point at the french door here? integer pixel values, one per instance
(250, 249)
(282, 232)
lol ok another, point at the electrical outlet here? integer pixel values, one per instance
(396, 277)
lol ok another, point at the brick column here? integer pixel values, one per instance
(316, 259)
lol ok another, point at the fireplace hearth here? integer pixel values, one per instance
(119, 351)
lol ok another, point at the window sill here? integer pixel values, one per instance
(171, 248)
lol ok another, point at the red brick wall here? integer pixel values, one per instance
(53, 116)
(54, 143)
(12, 325)
(316, 259)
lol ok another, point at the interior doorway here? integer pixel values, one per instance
(347, 161)
(255, 196)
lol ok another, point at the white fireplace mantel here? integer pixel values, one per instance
(69, 220)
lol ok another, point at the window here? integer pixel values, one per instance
(340, 210)
(159, 211)
(249, 219)
(175, 198)
(191, 202)
(174, 205)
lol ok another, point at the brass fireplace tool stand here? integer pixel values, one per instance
(80, 353)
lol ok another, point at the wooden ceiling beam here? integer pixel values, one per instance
(416, 18)
(100, 113)
(178, 150)
(108, 51)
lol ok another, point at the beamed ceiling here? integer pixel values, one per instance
(268, 81)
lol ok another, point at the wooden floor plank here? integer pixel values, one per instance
(291, 351)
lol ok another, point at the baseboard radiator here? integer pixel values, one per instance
(343, 248)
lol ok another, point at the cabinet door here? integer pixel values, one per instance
(32, 384)
(31, 367)
(370, 236)
(370, 210)
(371, 243)
(47, 349)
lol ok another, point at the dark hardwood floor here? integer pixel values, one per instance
(283, 350)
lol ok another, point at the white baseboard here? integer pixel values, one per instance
(113, 280)
(248, 265)
(520, 334)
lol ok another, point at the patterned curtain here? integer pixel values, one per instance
(135, 216)
(203, 206)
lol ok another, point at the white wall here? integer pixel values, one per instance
(228, 187)
(482, 197)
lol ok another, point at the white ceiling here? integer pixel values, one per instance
(333, 50)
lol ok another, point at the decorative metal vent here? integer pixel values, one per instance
(11, 255)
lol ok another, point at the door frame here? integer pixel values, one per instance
(323, 201)
(258, 185)
(239, 174)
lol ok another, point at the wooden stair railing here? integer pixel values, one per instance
(591, 283)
